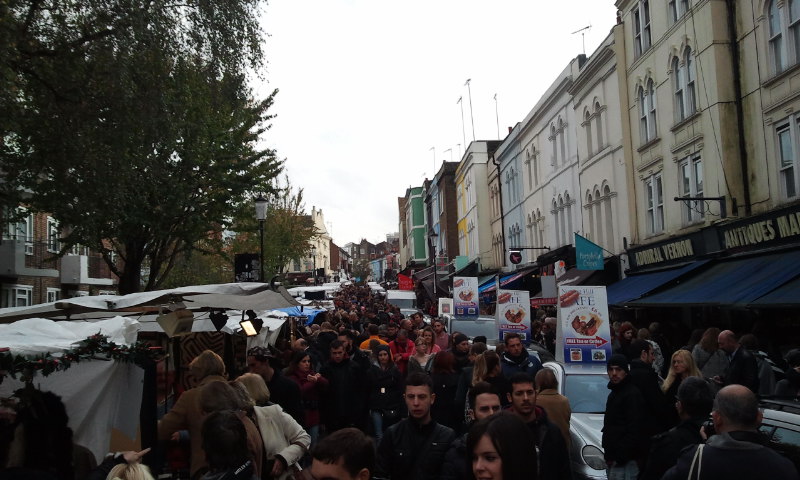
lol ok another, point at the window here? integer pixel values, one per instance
(788, 177)
(53, 294)
(641, 27)
(647, 112)
(17, 296)
(784, 34)
(553, 139)
(655, 204)
(683, 73)
(598, 117)
(562, 142)
(53, 242)
(587, 123)
(22, 229)
(677, 9)
(691, 185)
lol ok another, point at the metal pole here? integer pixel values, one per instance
(472, 119)
(463, 132)
(261, 243)
(497, 116)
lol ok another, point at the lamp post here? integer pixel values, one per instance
(314, 259)
(433, 236)
(261, 216)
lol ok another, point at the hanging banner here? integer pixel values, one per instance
(445, 306)
(583, 334)
(465, 296)
(588, 255)
(514, 313)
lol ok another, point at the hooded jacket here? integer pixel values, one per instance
(525, 363)
(554, 460)
(623, 423)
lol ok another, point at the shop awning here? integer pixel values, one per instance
(423, 273)
(573, 276)
(490, 285)
(636, 286)
(735, 281)
(787, 295)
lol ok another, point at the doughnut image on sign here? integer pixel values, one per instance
(465, 295)
(586, 323)
(513, 314)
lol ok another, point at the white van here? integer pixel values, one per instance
(402, 298)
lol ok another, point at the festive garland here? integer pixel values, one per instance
(95, 347)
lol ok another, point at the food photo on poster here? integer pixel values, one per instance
(584, 326)
(465, 296)
(514, 313)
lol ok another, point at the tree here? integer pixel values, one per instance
(134, 123)
(287, 230)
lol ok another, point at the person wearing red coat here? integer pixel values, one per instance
(312, 385)
(402, 349)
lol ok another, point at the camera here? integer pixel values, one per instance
(708, 428)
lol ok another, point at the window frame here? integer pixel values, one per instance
(654, 202)
(11, 293)
(789, 127)
(689, 211)
(22, 229)
(642, 39)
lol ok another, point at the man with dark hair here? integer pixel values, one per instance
(344, 403)
(347, 454)
(554, 457)
(460, 350)
(743, 368)
(516, 359)
(373, 331)
(483, 402)
(414, 448)
(282, 390)
(737, 450)
(623, 424)
(693, 403)
(660, 415)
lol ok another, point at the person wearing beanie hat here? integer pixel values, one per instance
(460, 351)
(385, 387)
(623, 423)
(789, 387)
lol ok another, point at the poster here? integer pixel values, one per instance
(514, 313)
(445, 306)
(465, 296)
(583, 324)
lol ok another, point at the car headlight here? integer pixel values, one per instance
(593, 457)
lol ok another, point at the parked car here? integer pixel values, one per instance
(781, 424)
(586, 388)
(407, 312)
(487, 326)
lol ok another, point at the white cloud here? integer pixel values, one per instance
(367, 87)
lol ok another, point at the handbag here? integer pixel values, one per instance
(697, 461)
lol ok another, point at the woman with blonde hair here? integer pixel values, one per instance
(285, 441)
(130, 471)
(681, 367)
(258, 390)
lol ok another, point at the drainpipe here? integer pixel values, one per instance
(502, 216)
(737, 90)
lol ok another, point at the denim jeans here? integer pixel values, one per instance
(313, 432)
(627, 471)
(377, 424)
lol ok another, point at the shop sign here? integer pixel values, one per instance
(675, 250)
(514, 313)
(777, 227)
(465, 296)
(583, 334)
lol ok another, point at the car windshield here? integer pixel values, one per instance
(586, 393)
(474, 328)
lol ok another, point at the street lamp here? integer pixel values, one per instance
(434, 236)
(314, 258)
(261, 216)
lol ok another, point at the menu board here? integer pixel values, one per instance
(514, 313)
(584, 335)
(465, 296)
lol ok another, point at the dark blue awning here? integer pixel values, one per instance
(734, 281)
(636, 286)
(787, 295)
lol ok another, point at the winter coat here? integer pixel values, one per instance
(660, 412)
(385, 388)
(344, 404)
(442, 410)
(401, 353)
(410, 451)
(245, 472)
(455, 461)
(286, 393)
(558, 410)
(310, 395)
(789, 387)
(554, 460)
(623, 423)
(743, 370)
(710, 364)
(735, 455)
(284, 439)
(525, 363)
(665, 448)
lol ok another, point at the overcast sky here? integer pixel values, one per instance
(369, 90)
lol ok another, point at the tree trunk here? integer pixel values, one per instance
(131, 279)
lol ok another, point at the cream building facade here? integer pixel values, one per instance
(472, 201)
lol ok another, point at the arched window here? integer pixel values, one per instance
(568, 236)
(684, 75)
(647, 111)
(607, 216)
(587, 123)
(554, 156)
(598, 129)
(592, 235)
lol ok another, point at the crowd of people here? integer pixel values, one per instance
(366, 393)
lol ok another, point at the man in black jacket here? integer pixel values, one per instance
(693, 404)
(623, 424)
(282, 390)
(743, 369)
(414, 448)
(344, 403)
(553, 454)
(738, 450)
(660, 414)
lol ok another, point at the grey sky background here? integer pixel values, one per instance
(368, 87)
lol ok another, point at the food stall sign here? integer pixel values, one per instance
(583, 334)
(465, 296)
(514, 313)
